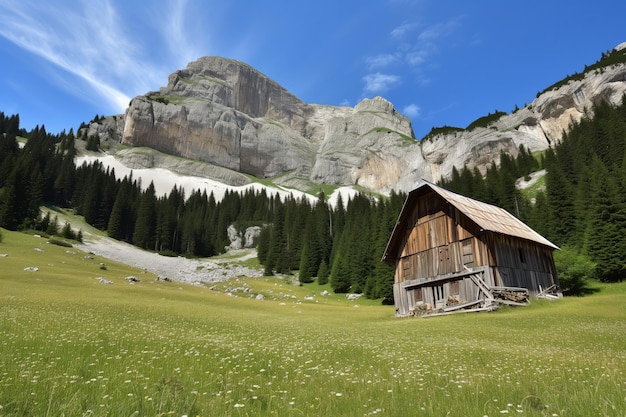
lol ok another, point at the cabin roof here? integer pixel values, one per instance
(487, 216)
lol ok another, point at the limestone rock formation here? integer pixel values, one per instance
(242, 239)
(233, 120)
(223, 112)
(536, 126)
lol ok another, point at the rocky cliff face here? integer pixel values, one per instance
(226, 113)
(535, 126)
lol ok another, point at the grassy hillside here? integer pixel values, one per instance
(71, 346)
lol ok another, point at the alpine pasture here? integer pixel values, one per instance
(71, 345)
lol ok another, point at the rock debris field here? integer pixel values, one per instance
(180, 269)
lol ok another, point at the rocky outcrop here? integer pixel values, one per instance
(373, 146)
(223, 112)
(233, 120)
(536, 126)
(243, 239)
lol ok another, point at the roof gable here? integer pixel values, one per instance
(487, 216)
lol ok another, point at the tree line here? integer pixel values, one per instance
(583, 206)
(340, 244)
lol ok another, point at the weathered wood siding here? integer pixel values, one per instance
(438, 240)
(440, 243)
(520, 263)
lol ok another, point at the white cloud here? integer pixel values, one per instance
(176, 35)
(439, 30)
(379, 83)
(416, 58)
(90, 42)
(402, 30)
(413, 47)
(381, 61)
(412, 111)
(416, 48)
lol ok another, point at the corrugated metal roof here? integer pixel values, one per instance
(490, 217)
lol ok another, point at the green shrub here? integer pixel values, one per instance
(59, 242)
(67, 231)
(93, 144)
(485, 121)
(574, 270)
(168, 252)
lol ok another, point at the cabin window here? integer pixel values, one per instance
(521, 255)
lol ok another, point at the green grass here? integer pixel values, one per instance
(533, 190)
(402, 138)
(71, 346)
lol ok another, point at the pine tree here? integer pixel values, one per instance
(143, 235)
(305, 275)
(606, 243)
(323, 273)
(263, 243)
(9, 217)
(120, 212)
(53, 227)
(562, 217)
(340, 275)
(67, 231)
(277, 253)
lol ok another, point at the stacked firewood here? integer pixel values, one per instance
(511, 294)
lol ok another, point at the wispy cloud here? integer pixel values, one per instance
(86, 39)
(412, 111)
(413, 47)
(378, 83)
(420, 44)
(176, 20)
(400, 31)
(381, 61)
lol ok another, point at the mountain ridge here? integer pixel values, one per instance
(225, 113)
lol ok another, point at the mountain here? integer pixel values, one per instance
(238, 121)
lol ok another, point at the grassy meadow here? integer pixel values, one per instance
(72, 346)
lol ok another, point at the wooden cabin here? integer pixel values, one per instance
(453, 253)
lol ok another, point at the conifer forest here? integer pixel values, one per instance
(582, 207)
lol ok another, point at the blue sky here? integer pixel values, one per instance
(439, 62)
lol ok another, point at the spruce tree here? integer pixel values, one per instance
(143, 235)
(115, 227)
(305, 275)
(323, 273)
(263, 245)
(606, 243)
(277, 259)
(9, 217)
(561, 210)
(340, 275)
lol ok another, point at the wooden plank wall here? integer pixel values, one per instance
(440, 240)
(522, 263)
(463, 290)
